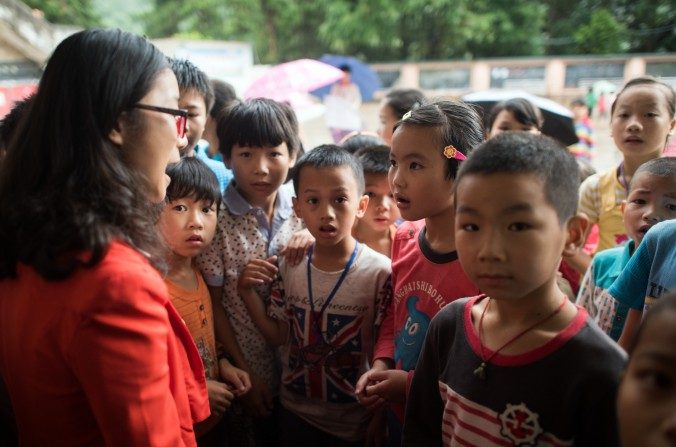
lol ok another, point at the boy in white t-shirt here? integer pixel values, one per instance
(324, 313)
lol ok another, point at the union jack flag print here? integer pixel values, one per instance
(325, 355)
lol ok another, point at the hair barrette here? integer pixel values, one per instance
(451, 152)
(407, 115)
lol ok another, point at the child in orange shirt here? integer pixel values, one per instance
(188, 224)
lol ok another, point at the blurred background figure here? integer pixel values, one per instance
(393, 107)
(342, 106)
(584, 129)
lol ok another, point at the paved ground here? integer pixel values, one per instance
(314, 133)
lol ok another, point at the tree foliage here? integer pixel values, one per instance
(382, 30)
(71, 12)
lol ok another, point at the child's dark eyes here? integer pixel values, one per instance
(415, 166)
(519, 226)
(179, 208)
(654, 380)
(341, 200)
(393, 163)
(639, 201)
(671, 206)
(469, 227)
(311, 201)
(370, 194)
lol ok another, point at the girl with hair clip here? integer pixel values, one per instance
(93, 352)
(516, 114)
(428, 145)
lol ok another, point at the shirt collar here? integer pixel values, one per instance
(238, 205)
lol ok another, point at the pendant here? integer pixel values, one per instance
(480, 372)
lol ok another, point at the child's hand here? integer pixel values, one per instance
(220, 397)
(389, 385)
(371, 401)
(258, 401)
(298, 245)
(256, 273)
(235, 377)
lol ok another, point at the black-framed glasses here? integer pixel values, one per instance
(181, 116)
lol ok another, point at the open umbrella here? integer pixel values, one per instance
(361, 74)
(558, 120)
(285, 81)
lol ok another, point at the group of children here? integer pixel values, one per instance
(322, 318)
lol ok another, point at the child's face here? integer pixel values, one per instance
(417, 174)
(387, 119)
(580, 112)
(193, 101)
(506, 121)
(382, 210)
(259, 171)
(641, 121)
(328, 201)
(652, 199)
(646, 403)
(508, 237)
(188, 225)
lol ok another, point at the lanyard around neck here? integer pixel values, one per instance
(335, 288)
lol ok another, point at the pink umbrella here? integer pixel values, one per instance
(283, 82)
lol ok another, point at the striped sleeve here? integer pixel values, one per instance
(590, 198)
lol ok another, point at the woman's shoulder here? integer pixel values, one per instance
(123, 273)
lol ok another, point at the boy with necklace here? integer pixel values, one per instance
(323, 313)
(519, 364)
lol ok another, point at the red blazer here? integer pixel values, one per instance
(100, 358)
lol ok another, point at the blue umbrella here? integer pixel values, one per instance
(362, 75)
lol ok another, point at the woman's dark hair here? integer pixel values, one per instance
(258, 122)
(360, 140)
(65, 188)
(456, 122)
(523, 110)
(191, 177)
(668, 91)
(404, 99)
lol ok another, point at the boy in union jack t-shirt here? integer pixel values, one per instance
(324, 313)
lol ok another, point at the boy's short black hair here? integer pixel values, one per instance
(190, 77)
(329, 156)
(659, 167)
(257, 122)
(456, 122)
(357, 140)
(525, 153)
(191, 177)
(374, 159)
(224, 96)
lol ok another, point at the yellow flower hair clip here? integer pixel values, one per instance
(451, 152)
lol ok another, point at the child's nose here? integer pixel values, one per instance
(261, 165)
(491, 248)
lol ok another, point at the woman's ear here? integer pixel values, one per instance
(576, 229)
(115, 135)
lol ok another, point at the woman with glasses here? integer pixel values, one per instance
(91, 350)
